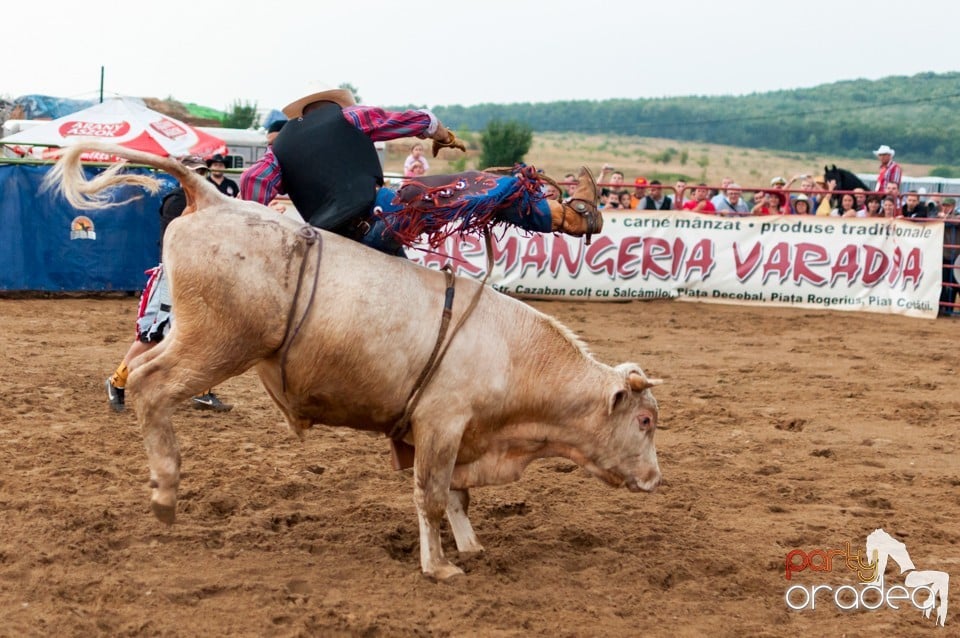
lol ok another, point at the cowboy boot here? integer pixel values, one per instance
(578, 215)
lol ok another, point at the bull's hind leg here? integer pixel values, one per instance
(159, 382)
(436, 453)
(457, 505)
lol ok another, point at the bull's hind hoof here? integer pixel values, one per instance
(444, 572)
(164, 513)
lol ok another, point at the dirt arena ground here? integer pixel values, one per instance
(782, 429)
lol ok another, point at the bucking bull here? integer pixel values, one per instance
(338, 334)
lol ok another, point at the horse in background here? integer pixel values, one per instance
(843, 179)
(846, 180)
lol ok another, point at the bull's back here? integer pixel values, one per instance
(372, 324)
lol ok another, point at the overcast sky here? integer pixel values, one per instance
(433, 52)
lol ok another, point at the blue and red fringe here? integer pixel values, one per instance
(464, 203)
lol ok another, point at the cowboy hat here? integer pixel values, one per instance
(193, 162)
(884, 150)
(318, 93)
(216, 159)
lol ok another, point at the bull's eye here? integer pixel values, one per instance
(645, 423)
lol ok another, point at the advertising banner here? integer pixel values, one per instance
(873, 265)
(47, 245)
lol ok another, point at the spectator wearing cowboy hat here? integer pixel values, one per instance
(224, 184)
(890, 172)
(325, 160)
(800, 205)
(777, 184)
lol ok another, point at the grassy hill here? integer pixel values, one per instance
(917, 115)
(750, 138)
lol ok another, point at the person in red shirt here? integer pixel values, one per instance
(890, 172)
(701, 200)
(771, 204)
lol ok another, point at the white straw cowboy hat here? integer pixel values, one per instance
(318, 92)
(885, 150)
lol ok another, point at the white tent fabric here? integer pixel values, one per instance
(123, 121)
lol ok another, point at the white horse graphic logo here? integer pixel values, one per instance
(881, 546)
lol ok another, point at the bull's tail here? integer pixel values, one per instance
(68, 179)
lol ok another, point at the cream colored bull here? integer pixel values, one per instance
(514, 385)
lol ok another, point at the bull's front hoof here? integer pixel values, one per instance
(444, 571)
(471, 549)
(164, 513)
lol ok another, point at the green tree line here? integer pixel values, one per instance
(917, 115)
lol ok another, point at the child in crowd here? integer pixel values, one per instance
(415, 157)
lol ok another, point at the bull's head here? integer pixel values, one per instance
(625, 453)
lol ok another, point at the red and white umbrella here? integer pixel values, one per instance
(126, 122)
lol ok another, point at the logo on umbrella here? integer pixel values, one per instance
(94, 129)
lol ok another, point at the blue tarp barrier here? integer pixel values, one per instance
(40, 107)
(47, 245)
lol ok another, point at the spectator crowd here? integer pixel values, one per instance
(814, 195)
(805, 194)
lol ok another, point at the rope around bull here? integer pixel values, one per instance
(401, 428)
(311, 236)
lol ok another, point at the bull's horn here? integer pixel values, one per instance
(639, 383)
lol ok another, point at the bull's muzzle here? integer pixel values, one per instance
(647, 484)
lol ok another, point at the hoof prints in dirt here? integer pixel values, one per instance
(506, 510)
(793, 425)
(287, 521)
(581, 539)
(401, 544)
(265, 546)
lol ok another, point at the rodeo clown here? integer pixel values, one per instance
(324, 159)
(155, 312)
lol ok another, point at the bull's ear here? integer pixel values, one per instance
(639, 383)
(616, 400)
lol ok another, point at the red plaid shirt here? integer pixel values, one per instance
(889, 173)
(262, 182)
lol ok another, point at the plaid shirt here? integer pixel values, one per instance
(889, 174)
(262, 182)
